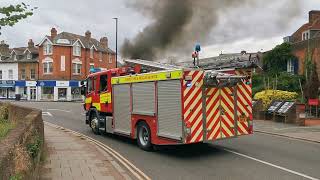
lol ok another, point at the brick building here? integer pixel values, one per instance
(306, 42)
(27, 58)
(65, 59)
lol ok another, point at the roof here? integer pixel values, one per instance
(68, 39)
(227, 61)
(21, 55)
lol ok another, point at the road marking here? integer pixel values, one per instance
(58, 110)
(46, 114)
(272, 165)
(126, 163)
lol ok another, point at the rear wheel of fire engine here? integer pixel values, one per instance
(94, 124)
(144, 136)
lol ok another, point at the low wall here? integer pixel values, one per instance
(21, 149)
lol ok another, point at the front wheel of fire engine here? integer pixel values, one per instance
(144, 136)
(94, 124)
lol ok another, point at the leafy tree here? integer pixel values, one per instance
(10, 15)
(275, 61)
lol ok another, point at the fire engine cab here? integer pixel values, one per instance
(170, 107)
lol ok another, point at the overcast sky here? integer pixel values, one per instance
(251, 28)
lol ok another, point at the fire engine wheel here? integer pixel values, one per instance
(94, 124)
(144, 136)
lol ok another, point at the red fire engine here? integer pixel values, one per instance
(178, 106)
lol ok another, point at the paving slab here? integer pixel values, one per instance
(72, 157)
(311, 133)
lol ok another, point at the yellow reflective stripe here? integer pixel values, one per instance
(97, 106)
(105, 98)
(88, 100)
(157, 76)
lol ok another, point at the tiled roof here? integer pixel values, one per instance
(22, 56)
(227, 61)
(72, 38)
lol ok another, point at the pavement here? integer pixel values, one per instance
(258, 156)
(311, 133)
(72, 157)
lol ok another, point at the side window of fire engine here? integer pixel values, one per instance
(103, 83)
(90, 85)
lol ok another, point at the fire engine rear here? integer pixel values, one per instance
(180, 106)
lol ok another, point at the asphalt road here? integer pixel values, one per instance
(257, 156)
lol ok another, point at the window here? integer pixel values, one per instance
(63, 63)
(100, 56)
(47, 93)
(0, 74)
(23, 74)
(91, 52)
(103, 83)
(290, 66)
(76, 68)
(29, 55)
(10, 74)
(306, 35)
(47, 68)
(90, 85)
(32, 74)
(47, 48)
(110, 58)
(77, 49)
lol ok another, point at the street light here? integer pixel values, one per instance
(116, 41)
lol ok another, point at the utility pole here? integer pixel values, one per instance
(116, 41)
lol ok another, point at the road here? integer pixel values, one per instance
(257, 156)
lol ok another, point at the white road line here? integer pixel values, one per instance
(58, 110)
(46, 114)
(272, 165)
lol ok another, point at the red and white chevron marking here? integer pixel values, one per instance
(227, 119)
(192, 105)
(244, 104)
(213, 124)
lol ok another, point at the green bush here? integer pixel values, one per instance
(34, 147)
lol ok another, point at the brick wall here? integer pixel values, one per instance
(27, 66)
(67, 51)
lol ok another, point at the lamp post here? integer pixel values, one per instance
(116, 41)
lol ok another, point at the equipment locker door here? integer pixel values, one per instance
(220, 113)
(122, 111)
(227, 110)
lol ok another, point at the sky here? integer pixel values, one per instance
(256, 26)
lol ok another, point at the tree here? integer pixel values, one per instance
(12, 14)
(312, 85)
(275, 61)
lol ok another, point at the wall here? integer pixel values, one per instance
(14, 156)
(28, 66)
(5, 68)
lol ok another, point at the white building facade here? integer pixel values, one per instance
(8, 77)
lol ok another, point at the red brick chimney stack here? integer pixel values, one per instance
(104, 42)
(88, 34)
(30, 43)
(53, 33)
(313, 16)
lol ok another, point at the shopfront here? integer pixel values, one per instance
(46, 90)
(7, 89)
(27, 90)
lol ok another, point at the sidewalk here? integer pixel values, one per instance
(72, 157)
(288, 130)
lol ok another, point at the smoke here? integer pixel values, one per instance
(178, 24)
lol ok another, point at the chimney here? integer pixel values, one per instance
(4, 47)
(30, 43)
(53, 33)
(88, 34)
(104, 42)
(313, 16)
